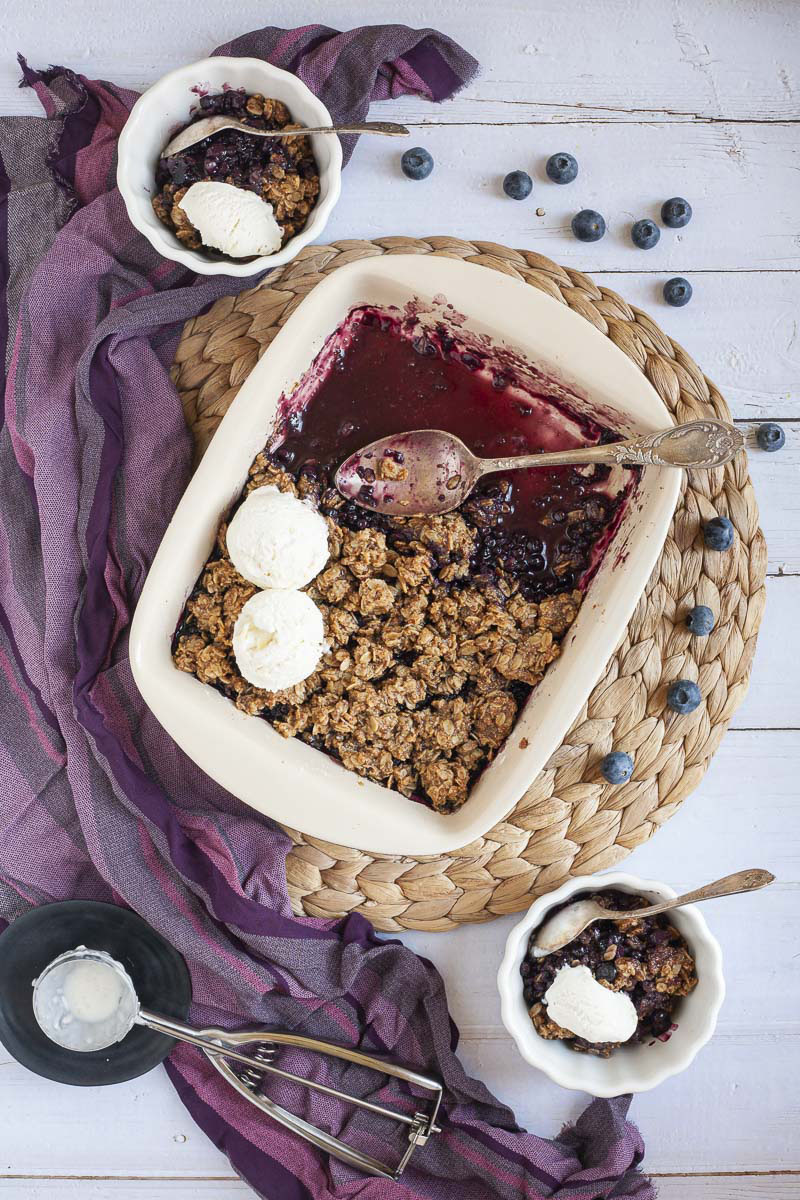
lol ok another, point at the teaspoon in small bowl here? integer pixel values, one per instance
(568, 923)
(200, 130)
(429, 471)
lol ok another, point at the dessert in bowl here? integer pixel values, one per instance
(232, 204)
(623, 1006)
(458, 648)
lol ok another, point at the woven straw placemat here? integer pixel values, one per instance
(570, 821)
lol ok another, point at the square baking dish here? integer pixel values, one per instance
(290, 781)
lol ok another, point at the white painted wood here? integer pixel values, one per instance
(743, 328)
(545, 62)
(773, 701)
(741, 180)
(698, 1187)
(694, 97)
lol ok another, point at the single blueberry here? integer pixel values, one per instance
(645, 234)
(417, 163)
(617, 767)
(561, 167)
(518, 185)
(676, 213)
(588, 225)
(770, 436)
(677, 291)
(605, 970)
(683, 696)
(700, 620)
(718, 533)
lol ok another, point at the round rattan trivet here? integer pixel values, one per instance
(570, 821)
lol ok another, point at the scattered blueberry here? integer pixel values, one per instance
(700, 620)
(417, 163)
(617, 767)
(718, 533)
(683, 696)
(561, 167)
(677, 291)
(518, 185)
(645, 234)
(676, 213)
(588, 225)
(770, 436)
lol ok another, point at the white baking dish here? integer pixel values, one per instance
(285, 778)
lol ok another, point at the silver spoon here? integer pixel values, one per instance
(567, 924)
(200, 130)
(429, 471)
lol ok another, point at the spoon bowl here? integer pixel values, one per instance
(429, 471)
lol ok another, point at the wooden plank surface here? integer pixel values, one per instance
(699, 1187)
(544, 62)
(692, 97)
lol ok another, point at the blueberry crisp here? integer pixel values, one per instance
(437, 628)
(647, 959)
(281, 171)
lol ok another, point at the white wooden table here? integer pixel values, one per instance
(699, 98)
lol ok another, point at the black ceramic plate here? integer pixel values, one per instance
(159, 974)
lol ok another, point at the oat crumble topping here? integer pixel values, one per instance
(419, 689)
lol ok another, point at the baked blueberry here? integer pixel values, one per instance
(518, 185)
(700, 620)
(770, 436)
(677, 291)
(416, 163)
(561, 167)
(676, 213)
(718, 533)
(617, 767)
(645, 234)
(683, 696)
(588, 225)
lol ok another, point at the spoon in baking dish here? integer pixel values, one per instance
(200, 130)
(569, 922)
(428, 471)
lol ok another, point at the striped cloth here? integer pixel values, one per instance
(97, 802)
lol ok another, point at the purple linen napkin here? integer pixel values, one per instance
(97, 802)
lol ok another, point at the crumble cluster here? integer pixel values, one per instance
(281, 171)
(425, 673)
(648, 959)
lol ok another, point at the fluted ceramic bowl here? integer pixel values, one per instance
(634, 1067)
(169, 104)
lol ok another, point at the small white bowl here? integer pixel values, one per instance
(637, 1067)
(169, 104)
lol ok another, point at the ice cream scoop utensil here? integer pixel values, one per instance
(559, 930)
(428, 471)
(198, 131)
(224, 1048)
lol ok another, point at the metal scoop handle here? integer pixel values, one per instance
(220, 1045)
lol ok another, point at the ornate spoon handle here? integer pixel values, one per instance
(704, 444)
(729, 885)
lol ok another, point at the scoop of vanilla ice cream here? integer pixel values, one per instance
(577, 1002)
(231, 219)
(276, 540)
(278, 639)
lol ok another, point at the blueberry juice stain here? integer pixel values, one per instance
(544, 527)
